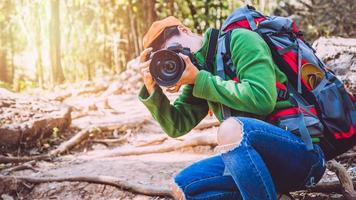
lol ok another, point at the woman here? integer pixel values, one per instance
(256, 159)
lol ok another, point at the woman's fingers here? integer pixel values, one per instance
(145, 65)
(185, 58)
(145, 54)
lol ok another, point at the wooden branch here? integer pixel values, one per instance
(107, 180)
(330, 187)
(206, 125)
(95, 90)
(6, 159)
(27, 165)
(191, 142)
(344, 178)
(310, 8)
(84, 134)
(67, 145)
(113, 141)
(156, 141)
(347, 155)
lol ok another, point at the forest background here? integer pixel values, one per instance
(44, 43)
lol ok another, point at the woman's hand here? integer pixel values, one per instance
(189, 75)
(145, 72)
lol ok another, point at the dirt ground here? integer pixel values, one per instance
(150, 169)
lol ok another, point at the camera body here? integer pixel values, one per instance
(167, 66)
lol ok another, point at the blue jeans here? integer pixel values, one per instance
(268, 159)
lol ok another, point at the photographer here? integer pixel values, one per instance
(256, 159)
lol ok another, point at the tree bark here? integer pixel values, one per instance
(54, 40)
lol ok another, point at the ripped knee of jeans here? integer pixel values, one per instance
(229, 135)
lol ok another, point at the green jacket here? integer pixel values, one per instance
(255, 95)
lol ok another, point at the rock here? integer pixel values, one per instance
(339, 54)
(24, 119)
(6, 197)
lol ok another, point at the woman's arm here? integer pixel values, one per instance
(256, 93)
(178, 118)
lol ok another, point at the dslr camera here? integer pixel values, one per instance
(167, 66)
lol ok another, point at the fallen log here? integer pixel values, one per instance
(25, 120)
(107, 180)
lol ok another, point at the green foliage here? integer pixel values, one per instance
(55, 132)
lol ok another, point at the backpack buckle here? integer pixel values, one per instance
(282, 94)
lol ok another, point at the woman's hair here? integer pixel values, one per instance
(165, 35)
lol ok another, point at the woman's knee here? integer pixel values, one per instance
(230, 132)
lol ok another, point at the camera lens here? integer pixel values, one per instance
(166, 67)
(169, 67)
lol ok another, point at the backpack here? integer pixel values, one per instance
(323, 112)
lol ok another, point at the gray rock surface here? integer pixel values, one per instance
(339, 54)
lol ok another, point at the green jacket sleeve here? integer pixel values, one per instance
(256, 93)
(178, 118)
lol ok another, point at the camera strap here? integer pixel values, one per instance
(212, 45)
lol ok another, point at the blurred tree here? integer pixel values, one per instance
(54, 41)
(38, 41)
(150, 11)
(5, 40)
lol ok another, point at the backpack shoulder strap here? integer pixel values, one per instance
(212, 45)
(226, 56)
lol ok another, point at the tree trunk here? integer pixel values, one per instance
(39, 66)
(54, 38)
(107, 55)
(171, 7)
(3, 65)
(135, 38)
(149, 8)
(12, 49)
(207, 14)
(193, 12)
